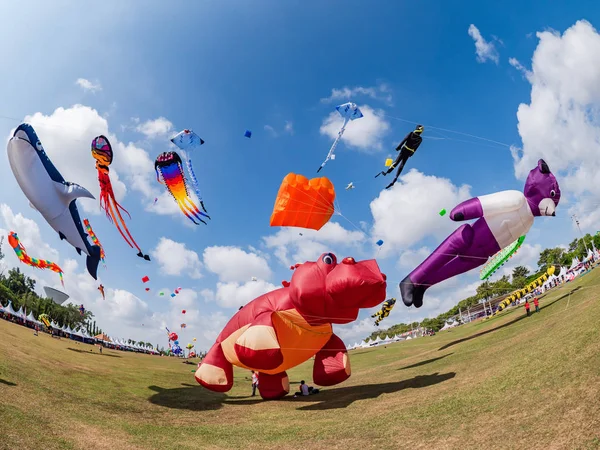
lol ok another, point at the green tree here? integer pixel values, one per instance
(520, 272)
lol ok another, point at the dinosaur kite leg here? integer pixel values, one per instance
(331, 365)
(272, 387)
(215, 372)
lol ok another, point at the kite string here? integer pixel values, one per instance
(444, 129)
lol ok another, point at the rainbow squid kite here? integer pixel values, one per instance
(95, 240)
(14, 242)
(169, 165)
(103, 154)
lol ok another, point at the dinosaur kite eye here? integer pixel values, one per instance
(552, 193)
(328, 258)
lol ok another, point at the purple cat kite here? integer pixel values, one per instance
(502, 218)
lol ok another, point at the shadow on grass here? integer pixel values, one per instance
(8, 383)
(93, 353)
(507, 324)
(427, 361)
(342, 397)
(192, 398)
(197, 398)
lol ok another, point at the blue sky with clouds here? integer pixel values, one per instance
(148, 70)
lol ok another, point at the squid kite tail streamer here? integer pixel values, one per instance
(195, 182)
(14, 242)
(103, 154)
(94, 238)
(168, 165)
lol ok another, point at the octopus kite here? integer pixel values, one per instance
(103, 154)
(188, 141)
(94, 238)
(14, 242)
(168, 165)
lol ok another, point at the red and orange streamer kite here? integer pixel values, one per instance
(103, 154)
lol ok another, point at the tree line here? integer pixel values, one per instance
(519, 278)
(19, 289)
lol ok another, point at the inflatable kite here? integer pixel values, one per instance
(187, 140)
(303, 203)
(16, 245)
(103, 154)
(502, 218)
(350, 186)
(49, 193)
(385, 310)
(285, 327)
(45, 319)
(500, 258)
(168, 165)
(348, 111)
(101, 289)
(520, 293)
(94, 238)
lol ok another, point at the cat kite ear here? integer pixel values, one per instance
(543, 166)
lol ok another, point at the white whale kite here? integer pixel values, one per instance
(49, 193)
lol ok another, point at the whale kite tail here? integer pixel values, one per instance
(92, 261)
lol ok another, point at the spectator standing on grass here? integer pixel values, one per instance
(527, 306)
(254, 382)
(536, 303)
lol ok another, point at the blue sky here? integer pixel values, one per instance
(221, 69)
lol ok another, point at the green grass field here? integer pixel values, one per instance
(510, 382)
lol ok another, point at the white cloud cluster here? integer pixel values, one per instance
(561, 124)
(484, 50)
(174, 258)
(88, 86)
(290, 247)
(380, 92)
(236, 270)
(409, 212)
(232, 264)
(155, 128)
(288, 128)
(364, 134)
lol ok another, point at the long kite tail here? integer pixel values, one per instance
(188, 207)
(130, 241)
(188, 163)
(331, 155)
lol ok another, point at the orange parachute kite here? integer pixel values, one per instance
(303, 203)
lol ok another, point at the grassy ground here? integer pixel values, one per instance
(511, 382)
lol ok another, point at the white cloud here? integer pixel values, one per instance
(234, 295)
(174, 258)
(409, 212)
(561, 124)
(485, 50)
(520, 67)
(409, 259)
(380, 92)
(289, 127)
(155, 128)
(365, 133)
(87, 85)
(290, 247)
(232, 264)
